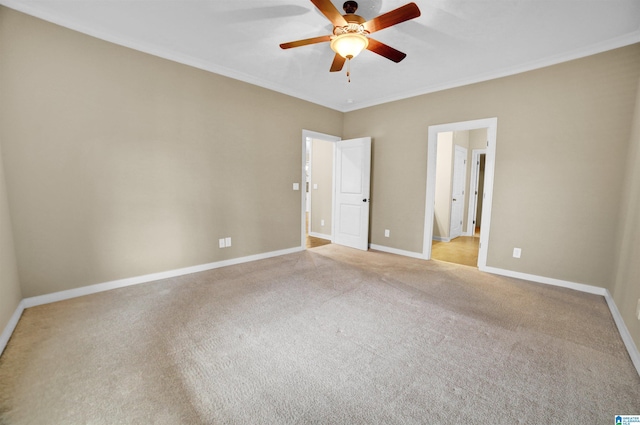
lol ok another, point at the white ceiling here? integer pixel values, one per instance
(453, 42)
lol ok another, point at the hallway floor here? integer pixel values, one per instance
(315, 242)
(461, 250)
(312, 242)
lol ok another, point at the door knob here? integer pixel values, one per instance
(365, 200)
(454, 199)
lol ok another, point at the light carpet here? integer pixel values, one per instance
(325, 336)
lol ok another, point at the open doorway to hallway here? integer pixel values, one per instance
(461, 250)
(338, 189)
(461, 159)
(318, 186)
(458, 200)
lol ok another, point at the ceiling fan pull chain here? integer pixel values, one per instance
(348, 70)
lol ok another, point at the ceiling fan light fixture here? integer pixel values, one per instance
(349, 45)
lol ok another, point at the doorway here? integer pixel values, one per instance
(478, 137)
(318, 154)
(335, 201)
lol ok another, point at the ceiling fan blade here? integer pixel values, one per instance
(387, 51)
(338, 63)
(329, 10)
(396, 16)
(306, 41)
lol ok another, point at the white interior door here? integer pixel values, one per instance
(457, 192)
(352, 185)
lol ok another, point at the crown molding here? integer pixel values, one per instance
(614, 43)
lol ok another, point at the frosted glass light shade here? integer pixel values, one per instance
(349, 45)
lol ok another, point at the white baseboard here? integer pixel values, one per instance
(547, 280)
(11, 326)
(441, 239)
(106, 286)
(114, 284)
(630, 345)
(320, 236)
(397, 251)
(632, 349)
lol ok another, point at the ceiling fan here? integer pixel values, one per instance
(351, 32)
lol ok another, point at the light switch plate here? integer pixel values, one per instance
(227, 241)
(221, 243)
(517, 252)
(296, 186)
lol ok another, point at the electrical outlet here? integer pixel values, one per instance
(387, 233)
(517, 252)
(321, 222)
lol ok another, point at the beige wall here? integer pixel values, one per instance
(121, 164)
(477, 139)
(626, 291)
(563, 133)
(10, 293)
(322, 196)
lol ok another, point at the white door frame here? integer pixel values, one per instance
(491, 124)
(312, 135)
(309, 195)
(473, 188)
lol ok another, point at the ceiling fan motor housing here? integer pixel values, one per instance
(350, 6)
